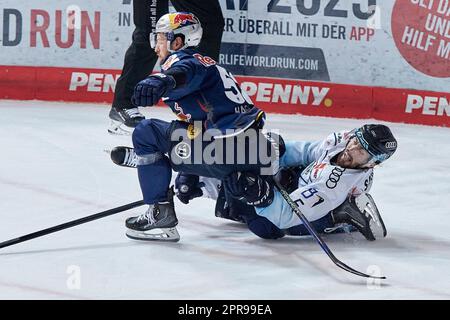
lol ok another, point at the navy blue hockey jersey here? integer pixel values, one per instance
(211, 94)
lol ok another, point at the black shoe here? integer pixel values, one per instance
(157, 223)
(124, 120)
(362, 213)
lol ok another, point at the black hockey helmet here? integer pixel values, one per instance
(377, 140)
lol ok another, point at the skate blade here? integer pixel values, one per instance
(167, 234)
(119, 128)
(376, 223)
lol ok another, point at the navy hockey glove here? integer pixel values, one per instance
(148, 91)
(249, 187)
(188, 187)
(288, 178)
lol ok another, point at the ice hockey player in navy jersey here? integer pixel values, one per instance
(212, 112)
(194, 86)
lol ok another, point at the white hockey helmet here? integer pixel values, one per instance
(178, 23)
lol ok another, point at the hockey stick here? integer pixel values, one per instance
(70, 224)
(316, 236)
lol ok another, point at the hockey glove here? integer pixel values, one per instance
(188, 187)
(148, 91)
(249, 187)
(288, 178)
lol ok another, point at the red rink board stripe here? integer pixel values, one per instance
(271, 94)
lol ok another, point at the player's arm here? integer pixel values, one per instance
(183, 77)
(188, 75)
(300, 153)
(314, 200)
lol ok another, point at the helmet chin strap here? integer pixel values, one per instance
(366, 166)
(369, 164)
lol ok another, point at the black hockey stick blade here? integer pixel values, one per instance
(70, 224)
(317, 237)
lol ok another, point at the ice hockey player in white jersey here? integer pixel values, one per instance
(331, 190)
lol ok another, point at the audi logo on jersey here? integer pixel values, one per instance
(391, 145)
(334, 177)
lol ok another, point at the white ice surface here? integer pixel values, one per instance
(53, 169)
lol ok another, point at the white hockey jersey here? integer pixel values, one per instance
(322, 185)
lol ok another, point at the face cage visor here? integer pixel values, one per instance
(153, 39)
(374, 158)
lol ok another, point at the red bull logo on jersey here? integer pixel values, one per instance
(180, 113)
(169, 62)
(182, 19)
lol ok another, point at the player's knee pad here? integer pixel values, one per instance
(149, 137)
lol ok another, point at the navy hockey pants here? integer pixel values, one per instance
(162, 146)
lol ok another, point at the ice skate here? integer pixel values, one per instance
(124, 121)
(124, 156)
(157, 223)
(362, 213)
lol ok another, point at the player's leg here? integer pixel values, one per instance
(211, 17)
(140, 60)
(322, 225)
(151, 140)
(354, 214)
(217, 158)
